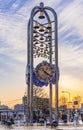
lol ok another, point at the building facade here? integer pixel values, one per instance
(38, 103)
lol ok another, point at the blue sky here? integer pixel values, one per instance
(14, 15)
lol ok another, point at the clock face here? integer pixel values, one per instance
(44, 72)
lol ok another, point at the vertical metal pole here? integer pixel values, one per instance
(50, 85)
(31, 69)
(28, 64)
(50, 102)
(56, 64)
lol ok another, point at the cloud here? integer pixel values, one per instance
(13, 35)
(72, 17)
(70, 22)
(70, 60)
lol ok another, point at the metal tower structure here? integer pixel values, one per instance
(42, 44)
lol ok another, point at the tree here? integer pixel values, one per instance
(63, 101)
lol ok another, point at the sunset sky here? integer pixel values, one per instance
(14, 16)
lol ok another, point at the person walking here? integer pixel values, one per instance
(75, 120)
(64, 117)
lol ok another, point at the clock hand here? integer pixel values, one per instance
(46, 73)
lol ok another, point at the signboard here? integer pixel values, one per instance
(75, 102)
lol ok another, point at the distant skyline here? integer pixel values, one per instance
(14, 16)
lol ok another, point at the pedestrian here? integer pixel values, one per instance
(64, 117)
(75, 120)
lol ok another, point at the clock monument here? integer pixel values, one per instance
(42, 55)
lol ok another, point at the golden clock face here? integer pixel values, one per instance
(44, 72)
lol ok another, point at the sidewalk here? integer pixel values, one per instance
(2, 127)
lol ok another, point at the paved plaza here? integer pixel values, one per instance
(2, 127)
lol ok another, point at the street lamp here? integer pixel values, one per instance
(67, 93)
